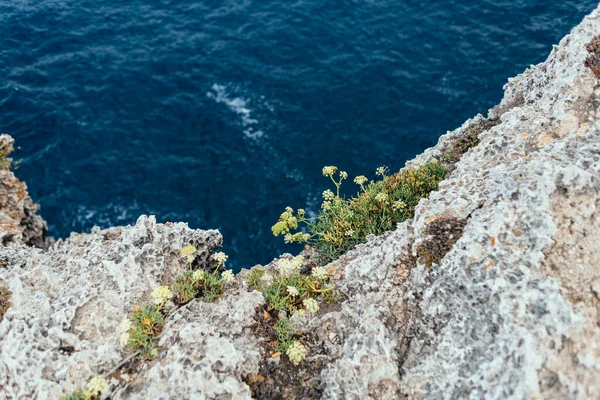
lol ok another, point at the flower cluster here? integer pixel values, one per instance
(360, 180)
(329, 170)
(286, 222)
(320, 273)
(298, 237)
(289, 267)
(311, 305)
(380, 205)
(227, 276)
(296, 352)
(328, 195)
(189, 253)
(381, 197)
(220, 257)
(96, 386)
(293, 291)
(161, 295)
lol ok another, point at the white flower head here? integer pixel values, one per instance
(198, 275)
(329, 170)
(381, 197)
(96, 386)
(399, 205)
(319, 273)
(220, 257)
(343, 175)
(360, 180)
(289, 267)
(311, 305)
(326, 205)
(161, 295)
(381, 171)
(267, 278)
(227, 276)
(189, 253)
(328, 195)
(296, 352)
(293, 291)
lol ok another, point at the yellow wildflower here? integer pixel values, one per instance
(161, 295)
(296, 352)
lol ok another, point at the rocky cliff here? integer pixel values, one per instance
(491, 291)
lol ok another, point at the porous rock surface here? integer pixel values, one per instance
(19, 222)
(506, 304)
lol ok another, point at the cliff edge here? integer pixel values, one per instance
(491, 291)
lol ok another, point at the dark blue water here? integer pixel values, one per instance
(221, 113)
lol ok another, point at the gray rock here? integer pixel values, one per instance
(19, 222)
(508, 307)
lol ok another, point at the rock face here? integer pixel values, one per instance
(491, 291)
(18, 220)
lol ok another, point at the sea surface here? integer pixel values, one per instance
(221, 113)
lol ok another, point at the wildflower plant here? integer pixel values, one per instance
(377, 207)
(199, 282)
(287, 342)
(93, 391)
(290, 288)
(140, 333)
(146, 324)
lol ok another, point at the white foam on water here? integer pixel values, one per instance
(239, 106)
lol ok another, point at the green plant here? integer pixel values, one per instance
(254, 278)
(199, 282)
(288, 289)
(4, 301)
(94, 390)
(378, 207)
(287, 342)
(146, 324)
(284, 332)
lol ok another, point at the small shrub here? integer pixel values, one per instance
(288, 289)
(199, 282)
(254, 278)
(146, 324)
(378, 207)
(287, 342)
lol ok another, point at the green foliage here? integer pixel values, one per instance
(377, 208)
(147, 324)
(284, 331)
(4, 301)
(198, 283)
(289, 289)
(254, 278)
(76, 395)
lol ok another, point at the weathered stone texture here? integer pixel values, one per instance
(492, 290)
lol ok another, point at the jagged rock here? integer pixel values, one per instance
(491, 291)
(76, 294)
(19, 222)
